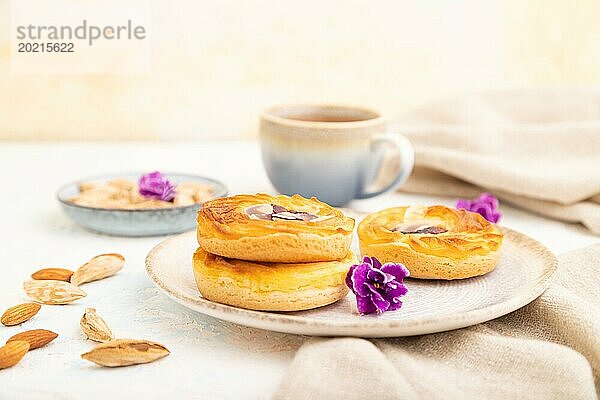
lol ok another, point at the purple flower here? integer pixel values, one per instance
(156, 186)
(486, 205)
(377, 288)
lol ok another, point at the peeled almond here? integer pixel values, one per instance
(53, 292)
(99, 267)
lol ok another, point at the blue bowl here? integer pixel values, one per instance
(146, 222)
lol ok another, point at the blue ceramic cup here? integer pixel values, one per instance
(333, 152)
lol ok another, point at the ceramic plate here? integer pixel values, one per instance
(523, 273)
(144, 222)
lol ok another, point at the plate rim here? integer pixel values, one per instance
(420, 325)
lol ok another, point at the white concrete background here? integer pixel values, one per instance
(210, 359)
(216, 64)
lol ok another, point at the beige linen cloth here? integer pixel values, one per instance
(536, 149)
(547, 350)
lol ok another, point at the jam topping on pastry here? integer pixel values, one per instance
(262, 214)
(432, 230)
(272, 212)
(415, 223)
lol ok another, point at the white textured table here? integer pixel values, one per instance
(210, 359)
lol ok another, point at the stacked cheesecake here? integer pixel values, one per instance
(274, 253)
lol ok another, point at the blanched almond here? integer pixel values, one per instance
(99, 267)
(182, 199)
(53, 292)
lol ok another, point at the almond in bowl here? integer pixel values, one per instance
(138, 204)
(152, 190)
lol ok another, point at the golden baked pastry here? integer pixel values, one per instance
(434, 242)
(274, 229)
(271, 286)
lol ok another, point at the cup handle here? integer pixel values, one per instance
(404, 149)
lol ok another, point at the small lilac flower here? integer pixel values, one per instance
(156, 186)
(377, 288)
(486, 205)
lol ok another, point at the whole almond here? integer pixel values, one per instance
(11, 353)
(99, 267)
(123, 352)
(95, 327)
(36, 338)
(20, 313)
(53, 292)
(55, 274)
